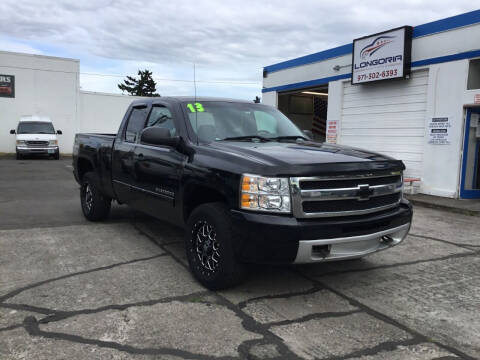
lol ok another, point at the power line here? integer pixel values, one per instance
(230, 82)
(179, 80)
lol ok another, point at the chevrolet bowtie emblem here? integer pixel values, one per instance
(364, 192)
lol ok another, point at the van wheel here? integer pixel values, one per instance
(209, 244)
(19, 156)
(95, 206)
(57, 155)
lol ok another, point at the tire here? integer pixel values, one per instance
(95, 206)
(19, 156)
(57, 155)
(209, 243)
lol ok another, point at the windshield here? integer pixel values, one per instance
(222, 120)
(31, 127)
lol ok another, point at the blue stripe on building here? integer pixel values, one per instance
(326, 80)
(433, 27)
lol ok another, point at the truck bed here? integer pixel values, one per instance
(96, 149)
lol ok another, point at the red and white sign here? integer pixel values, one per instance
(332, 128)
(476, 99)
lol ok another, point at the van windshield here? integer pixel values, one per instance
(223, 120)
(35, 127)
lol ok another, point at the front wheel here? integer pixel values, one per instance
(95, 206)
(209, 244)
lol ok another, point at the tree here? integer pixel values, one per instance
(143, 86)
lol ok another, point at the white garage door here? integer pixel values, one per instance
(387, 117)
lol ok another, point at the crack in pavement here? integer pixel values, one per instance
(461, 245)
(315, 316)
(11, 327)
(31, 325)
(66, 276)
(54, 315)
(406, 263)
(310, 291)
(385, 346)
(385, 318)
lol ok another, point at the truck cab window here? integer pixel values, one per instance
(162, 117)
(135, 124)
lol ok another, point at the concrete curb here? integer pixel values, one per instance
(453, 209)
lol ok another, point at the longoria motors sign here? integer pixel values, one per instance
(7, 86)
(382, 56)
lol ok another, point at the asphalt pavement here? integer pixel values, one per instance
(121, 289)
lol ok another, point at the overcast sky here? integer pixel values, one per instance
(230, 41)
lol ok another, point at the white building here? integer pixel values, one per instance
(396, 116)
(49, 86)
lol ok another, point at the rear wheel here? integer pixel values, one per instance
(95, 206)
(209, 244)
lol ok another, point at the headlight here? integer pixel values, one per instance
(52, 142)
(20, 142)
(265, 194)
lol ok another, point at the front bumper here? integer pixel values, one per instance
(349, 247)
(50, 150)
(262, 238)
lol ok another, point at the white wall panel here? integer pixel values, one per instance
(102, 113)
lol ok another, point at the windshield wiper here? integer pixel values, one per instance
(289, 137)
(248, 137)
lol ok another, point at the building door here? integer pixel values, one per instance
(470, 176)
(307, 108)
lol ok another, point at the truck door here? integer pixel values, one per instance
(158, 169)
(123, 158)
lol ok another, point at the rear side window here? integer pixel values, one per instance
(162, 117)
(135, 124)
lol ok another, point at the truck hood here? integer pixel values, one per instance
(302, 158)
(37, 137)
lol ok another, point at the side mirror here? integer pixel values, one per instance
(59, 132)
(12, 132)
(308, 133)
(158, 136)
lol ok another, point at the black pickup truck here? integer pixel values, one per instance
(246, 184)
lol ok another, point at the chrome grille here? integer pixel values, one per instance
(34, 143)
(345, 195)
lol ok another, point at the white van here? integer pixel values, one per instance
(36, 135)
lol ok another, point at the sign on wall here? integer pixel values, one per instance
(439, 131)
(382, 56)
(332, 131)
(7, 86)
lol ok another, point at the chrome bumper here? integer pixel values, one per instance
(37, 150)
(349, 247)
